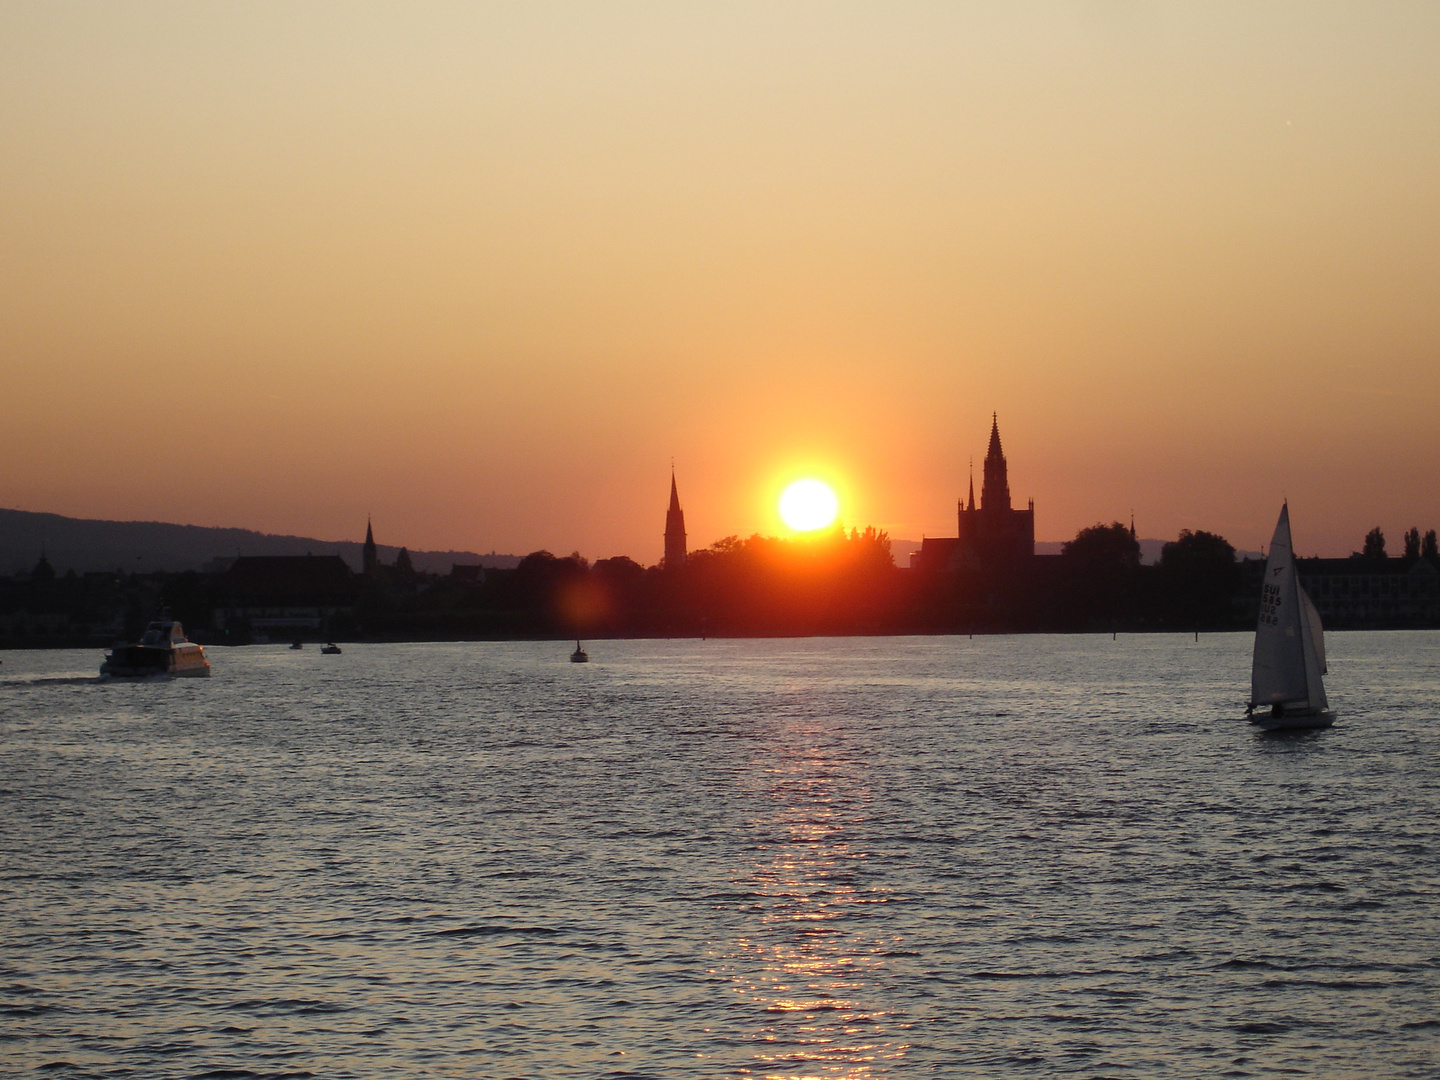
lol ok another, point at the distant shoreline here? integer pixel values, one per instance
(1121, 631)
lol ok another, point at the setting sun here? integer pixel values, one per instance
(807, 505)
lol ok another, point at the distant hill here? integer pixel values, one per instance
(81, 545)
(901, 550)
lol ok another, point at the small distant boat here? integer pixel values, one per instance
(297, 645)
(1289, 661)
(579, 656)
(163, 650)
(331, 650)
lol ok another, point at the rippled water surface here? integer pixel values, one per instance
(1006, 856)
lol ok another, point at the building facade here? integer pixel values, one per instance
(1361, 594)
(287, 596)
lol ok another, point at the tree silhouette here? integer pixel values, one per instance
(1374, 544)
(621, 569)
(404, 568)
(1429, 548)
(1412, 543)
(1199, 575)
(542, 584)
(831, 581)
(1102, 569)
(1103, 546)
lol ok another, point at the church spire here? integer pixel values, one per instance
(995, 493)
(369, 554)
(972, 484)
(674, 528)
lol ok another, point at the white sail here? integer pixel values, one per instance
(1278, 673)
(1312, 640)
(1289, 646)
(1312, 623)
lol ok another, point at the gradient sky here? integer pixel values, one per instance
(482, 270)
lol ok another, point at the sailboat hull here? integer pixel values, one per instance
(1321, 718)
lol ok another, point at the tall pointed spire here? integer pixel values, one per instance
(674, 528)
(972, 485)
(369, 554)
(995, 493)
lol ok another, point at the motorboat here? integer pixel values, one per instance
(331, 650)
(1287, 691)
(163, 650)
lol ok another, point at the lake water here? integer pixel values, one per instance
(991, 857)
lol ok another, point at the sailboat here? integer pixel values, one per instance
(1285, 675)
(579, 656)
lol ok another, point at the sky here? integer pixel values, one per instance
(483, 271)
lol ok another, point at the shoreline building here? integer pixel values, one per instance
(1359, 593)
(990, 534)
(675, 552)
(285, 596)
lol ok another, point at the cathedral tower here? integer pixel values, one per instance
(994, 542)
(993, 532)
(674, 529)
(995, 495)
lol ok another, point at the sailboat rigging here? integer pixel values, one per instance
(1286, 682)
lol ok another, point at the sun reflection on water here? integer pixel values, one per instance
(810, 977)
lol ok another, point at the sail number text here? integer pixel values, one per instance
(1270, 604)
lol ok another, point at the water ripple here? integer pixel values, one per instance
(1027, 857)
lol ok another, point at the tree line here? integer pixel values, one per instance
(837, 582)
(834, 582)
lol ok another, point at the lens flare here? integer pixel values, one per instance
(807, 505)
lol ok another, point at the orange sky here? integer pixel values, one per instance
(482, 270)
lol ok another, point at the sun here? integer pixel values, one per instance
(807, 505)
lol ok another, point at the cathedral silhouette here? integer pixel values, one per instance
(991, 535)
